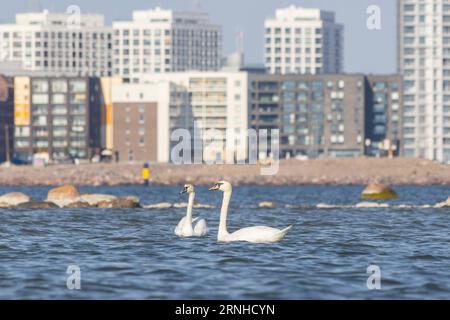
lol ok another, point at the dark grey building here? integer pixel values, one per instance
(64, 119)
(6, 117)
(341, 115)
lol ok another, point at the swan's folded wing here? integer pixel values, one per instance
(259, 234)
(179, 226)
(201, 228)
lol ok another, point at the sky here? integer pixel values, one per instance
(365, 51)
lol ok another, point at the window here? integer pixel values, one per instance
(59, 86)
(77, 86)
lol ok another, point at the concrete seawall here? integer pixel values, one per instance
(317, 171)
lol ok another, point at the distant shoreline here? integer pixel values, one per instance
(339, 171)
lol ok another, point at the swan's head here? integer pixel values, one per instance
(221, 185)
(188, 188)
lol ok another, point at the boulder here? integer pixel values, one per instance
(267, 205)
(13, 199)
(445, 204)
(63, 196)
(378, 191)
(37, 205)
(127, 202)
(326, 206)
(163, 205)
(180, 205)
(78, 204)
(203, 206)
(371, 205)
(95, 199)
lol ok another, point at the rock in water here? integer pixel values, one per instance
(37, 205)
(378, 191)
(63, 196)
(95, 199)
(127, 202)
(78, 204)
(163, 205)
(371, 205)
(445, 204)
(13, 199)
(267, 205)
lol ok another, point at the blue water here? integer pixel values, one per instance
(133, 254)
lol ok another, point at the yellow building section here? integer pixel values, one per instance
(22, 101)
(107, 83)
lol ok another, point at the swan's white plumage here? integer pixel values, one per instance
(184, 227)
(258, 234)
(200, 228)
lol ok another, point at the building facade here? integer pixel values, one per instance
(6, 118)
(214, 107)
(158, 41)
(424, 61)
(58, 44)
(59, 116)
(328, 115)
(383, 120)
(303, 40)
(140, 114)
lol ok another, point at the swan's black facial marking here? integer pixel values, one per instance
(216, 186)
(184, 190)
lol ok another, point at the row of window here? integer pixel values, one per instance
(166, 32)
(57, 35)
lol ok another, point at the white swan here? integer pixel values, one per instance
(259, 234)
(184, 227)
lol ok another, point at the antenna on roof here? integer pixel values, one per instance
(35, 5)
(196, 4)
(239, 37)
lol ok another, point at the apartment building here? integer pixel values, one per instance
(218, 104)
(303, 40)
(141, 122)
(159, 41)
(6, 118)
(424, 61)
(58, 44)
(59, 116)
(328, 115)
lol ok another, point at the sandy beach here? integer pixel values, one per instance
(342, 171)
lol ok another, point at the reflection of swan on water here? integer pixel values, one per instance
(184, 227)
(259, 234)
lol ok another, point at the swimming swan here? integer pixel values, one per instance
(259, 234)
(184, 227)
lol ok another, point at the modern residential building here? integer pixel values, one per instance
(328, 115)
(383, 115)
(6, 118)
(62, 117)
(141, 122)
(424, 61)
(303, 40)
(158, 41)
(58, 44)
(218, 104)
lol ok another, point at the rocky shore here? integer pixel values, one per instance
(340, 171)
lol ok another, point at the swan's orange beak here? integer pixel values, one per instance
(214, 187)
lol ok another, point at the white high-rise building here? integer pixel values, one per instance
(424, 61)
(58, 43)
(303, 40)
(159, 41)
(217, 105)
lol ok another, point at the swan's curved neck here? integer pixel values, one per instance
(223, 214)
(189, 207)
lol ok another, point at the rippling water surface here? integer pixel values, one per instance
(133, 254)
